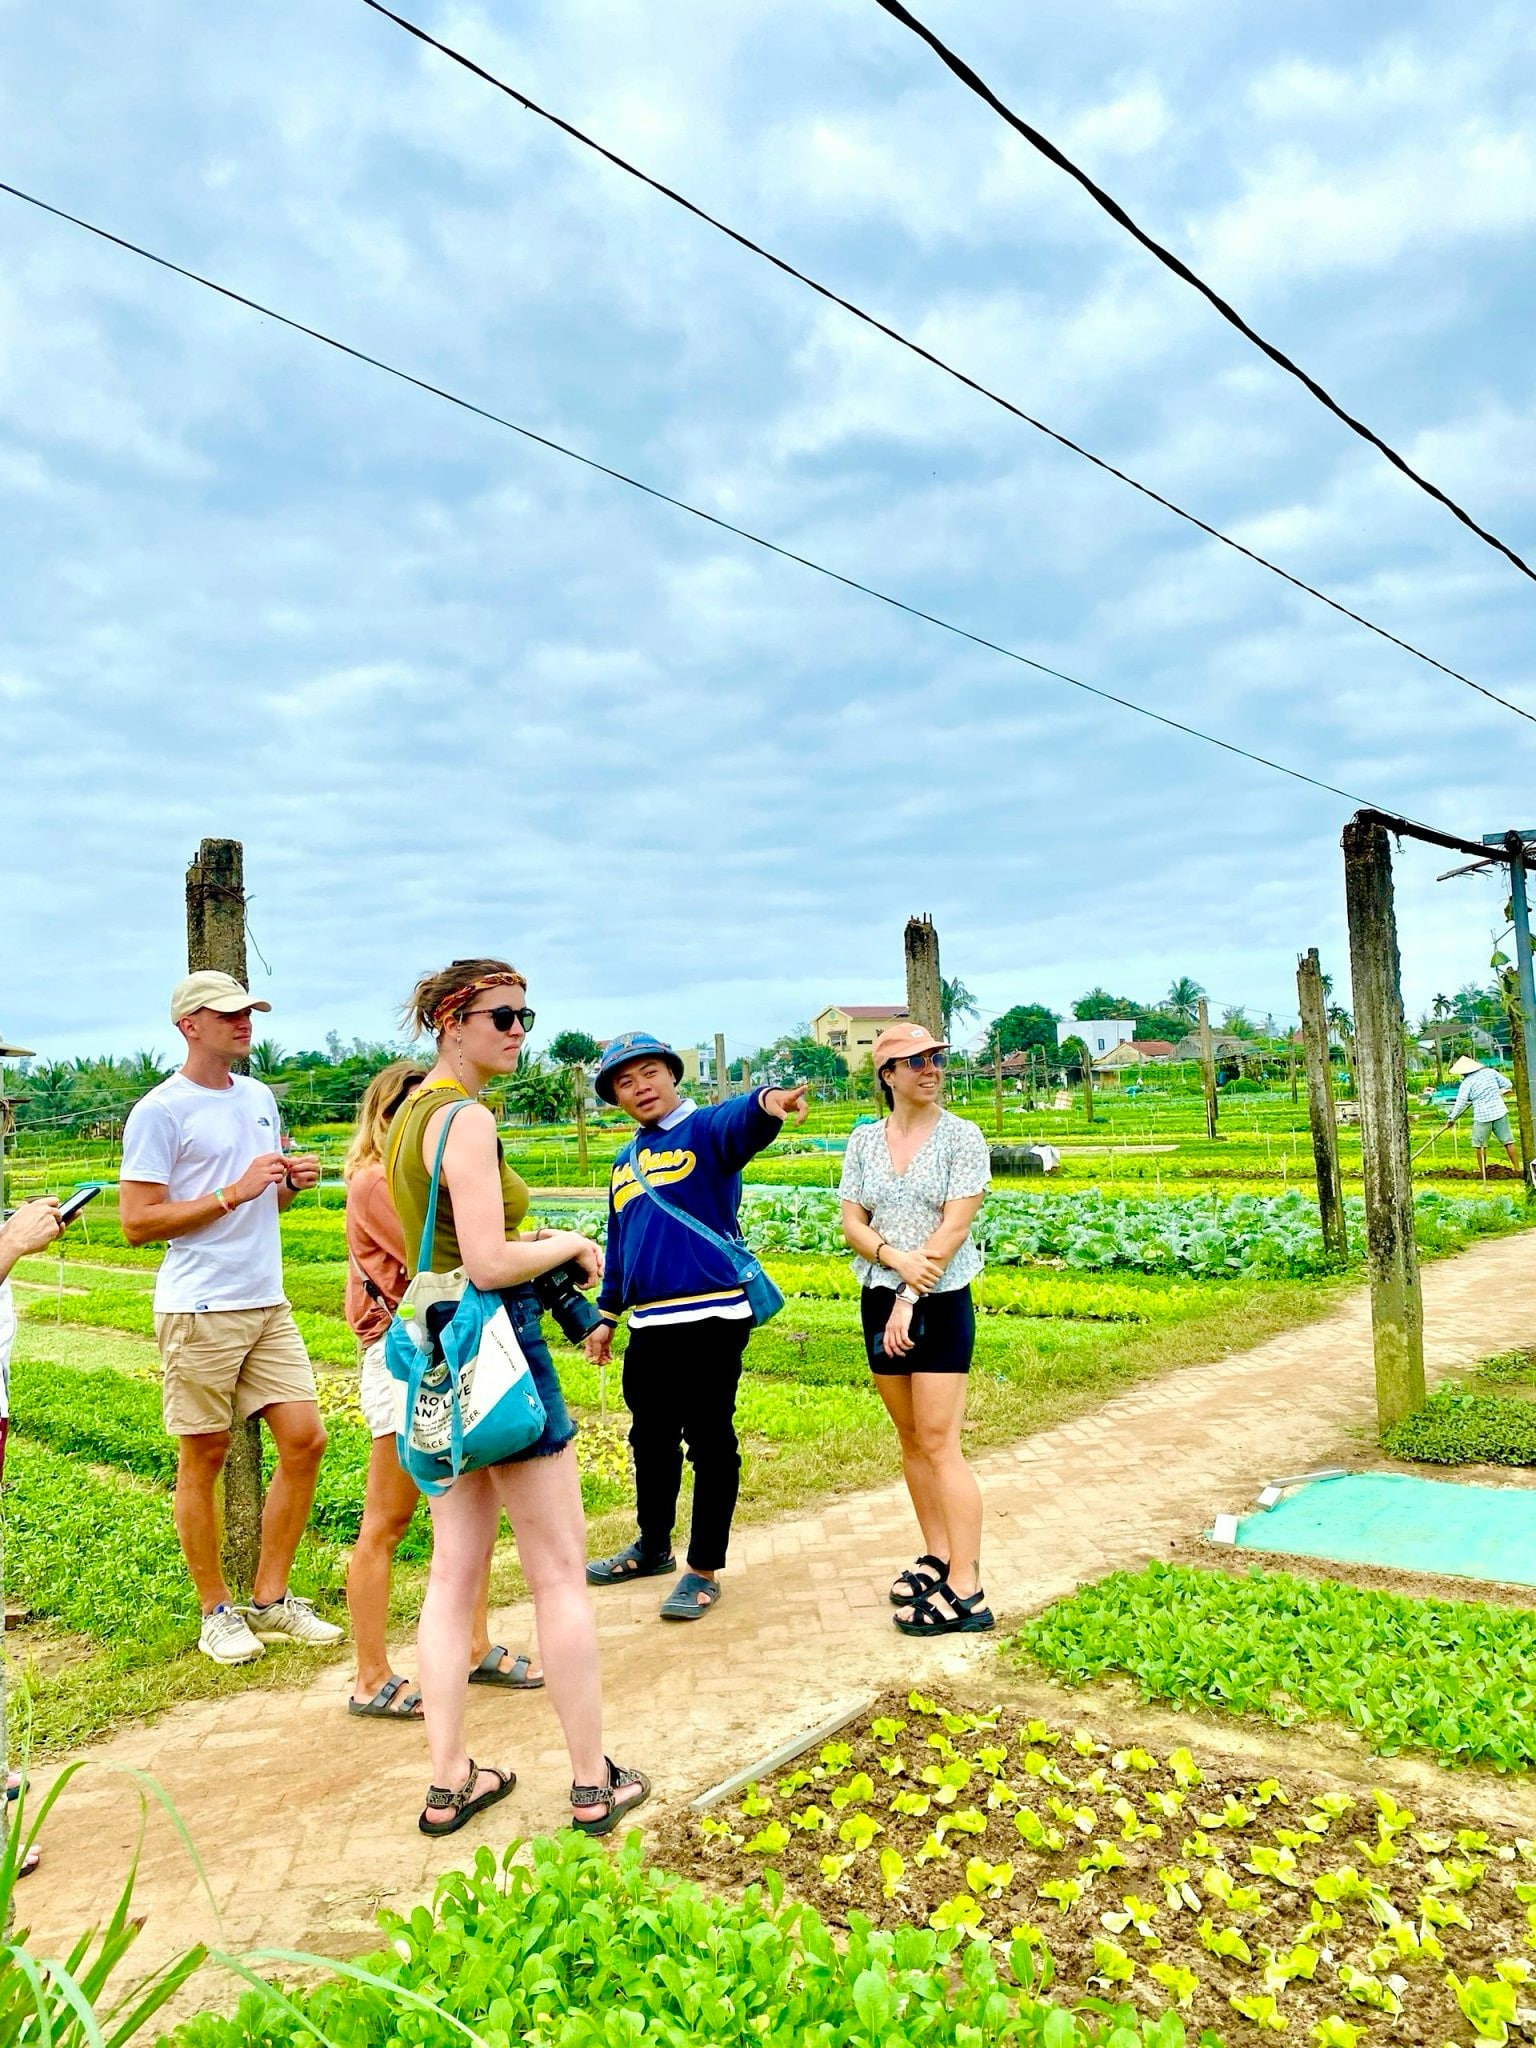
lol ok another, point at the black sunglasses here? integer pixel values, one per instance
(918, 1060)
(503, 1017)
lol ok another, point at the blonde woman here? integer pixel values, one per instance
(477, 1011)
(912, 1185)
(375, 1283)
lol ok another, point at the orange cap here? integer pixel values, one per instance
(901, 1041)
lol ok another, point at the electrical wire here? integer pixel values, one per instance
(927, 355)
(680, 504)
(1181, 269)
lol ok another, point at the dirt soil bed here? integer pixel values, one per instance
(1128, 1842)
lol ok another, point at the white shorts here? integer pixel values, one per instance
(381, 1396)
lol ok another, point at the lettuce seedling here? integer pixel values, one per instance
(1261, 2008)
(1180, 1984)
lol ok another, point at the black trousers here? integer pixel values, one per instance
(680, 1388)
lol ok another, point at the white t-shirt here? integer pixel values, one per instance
(190, 1140)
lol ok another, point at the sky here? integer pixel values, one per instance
(459, 695)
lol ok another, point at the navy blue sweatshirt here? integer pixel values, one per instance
(656, 1267)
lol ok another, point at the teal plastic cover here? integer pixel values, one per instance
(1405, 1524)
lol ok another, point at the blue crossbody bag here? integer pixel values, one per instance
(763, 1298)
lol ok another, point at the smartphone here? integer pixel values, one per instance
(71, 1206)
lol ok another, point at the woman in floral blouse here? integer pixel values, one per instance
(911, 1188)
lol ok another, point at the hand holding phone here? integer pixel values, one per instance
(71, 1206)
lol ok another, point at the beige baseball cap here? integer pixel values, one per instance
(210, 990)
(903, 1041)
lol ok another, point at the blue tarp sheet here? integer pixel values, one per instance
(1405, 1524)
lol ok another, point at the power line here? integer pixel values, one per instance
(928, 356)
(1181, 269)
(679, 504)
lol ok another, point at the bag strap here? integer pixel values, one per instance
(429, 1226)
(733, 1248)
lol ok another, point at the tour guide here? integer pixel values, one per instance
(689, 1320)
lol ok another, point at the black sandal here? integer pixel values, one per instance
(462, 1807)
(919, 1583)
(603, 1795)
(969, 1615)
(629, 1563)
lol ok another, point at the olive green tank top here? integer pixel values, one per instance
(410, 1181)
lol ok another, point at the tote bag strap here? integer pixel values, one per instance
(733, 1249)
(429, 1226)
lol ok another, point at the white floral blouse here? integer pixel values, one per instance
(907, 1208)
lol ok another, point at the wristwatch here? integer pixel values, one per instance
(909, 1294)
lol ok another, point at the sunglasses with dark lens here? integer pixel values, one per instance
(918, 1060)
(503, 1017)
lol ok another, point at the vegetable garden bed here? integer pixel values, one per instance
(1250, 1902)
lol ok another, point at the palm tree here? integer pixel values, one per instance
(1184, 997)
(955, 1000)
(267, 1058)
(1342, 1026)
(1440, 1009)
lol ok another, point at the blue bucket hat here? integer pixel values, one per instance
(632, 1045)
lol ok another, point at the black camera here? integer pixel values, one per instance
(559, 1295)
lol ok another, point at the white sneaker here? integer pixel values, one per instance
(225, 1638)
(291, 1620)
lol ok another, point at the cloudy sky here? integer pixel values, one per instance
(457, 694)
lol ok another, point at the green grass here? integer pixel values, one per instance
(1455, 1678)
(1457, 1428)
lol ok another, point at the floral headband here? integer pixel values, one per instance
(455, 1004)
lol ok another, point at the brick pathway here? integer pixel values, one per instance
(307, 1820)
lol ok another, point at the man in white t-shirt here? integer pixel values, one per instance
(204, 1172)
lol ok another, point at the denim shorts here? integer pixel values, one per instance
(522, 1305)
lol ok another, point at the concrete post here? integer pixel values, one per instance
(722, 1086)
(1207, 1066)
(1320, 1110)
(1523, 1022)
(579, 1089)
(925, 997)
(216, 938)
(1397, 1302)
(997, 1087)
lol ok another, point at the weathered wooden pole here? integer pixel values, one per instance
(1520, 1070)
(1397, 1301)
(579, 1090)
(925, 996)
(1320, 1110)
(722, 1085)
(1207, 1066)
(1523, 1019)
(216, 938)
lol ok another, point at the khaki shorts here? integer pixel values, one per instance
(226, 1364)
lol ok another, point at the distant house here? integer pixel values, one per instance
(1224, 1046)
(1147, 1052)
(1099, 1034)
(852, 1028)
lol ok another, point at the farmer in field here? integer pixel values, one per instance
(911, 1189)
(1483, 1091)
(689, 1319)
(32, 1228)
(376, 1271)
(204, 1173)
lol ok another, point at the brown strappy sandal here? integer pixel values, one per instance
(603, 1795)
(440, 1799)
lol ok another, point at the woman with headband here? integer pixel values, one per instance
(477, 1012)
(376, 1272)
